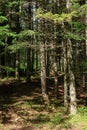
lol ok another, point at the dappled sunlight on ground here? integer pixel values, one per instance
(22, 108)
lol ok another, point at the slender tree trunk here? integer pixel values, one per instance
(17, 66)
(73, 105)
(65, 68)
(86, 31)
(0, 68)
(33, 60)
(65, 76)
(43, 74)
(77, 58)
(72, 89)
(54, 69)
(37, 61)
(83, 78)
(55, 64)
(47, 63)
(28, 64)
(18, 28)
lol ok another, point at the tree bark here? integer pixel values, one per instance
(65, 76)
(28, 64)
(86, 31)
(72, 89)
(17, 66)
(43, 74)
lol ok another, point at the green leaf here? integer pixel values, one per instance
(12, 4)
(17, 46)
(56, 17)
(2, 43)
(83, 9)
(73, 36)
(6, 68)
(25, 33)
(2, 19)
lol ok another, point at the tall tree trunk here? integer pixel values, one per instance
(55, 63)
(65, 68)
(65, 76)
(72, 89)
(33, 60)
(86, 30)
(86, 47)
(43, 74)
(28, 64)
(47, 63)
(37, 60)
(17, 66)
(18, 28)
(43, 58)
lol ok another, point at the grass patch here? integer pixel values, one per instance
(83, 111)
(1, 126)
(85, 128)
(57, 118)
(26, 105)
(67, 121)
(7, 79)
(80, 119)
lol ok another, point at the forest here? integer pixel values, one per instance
(43, 64)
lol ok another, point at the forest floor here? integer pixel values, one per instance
(22, 108)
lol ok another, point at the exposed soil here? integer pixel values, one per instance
(22, 108)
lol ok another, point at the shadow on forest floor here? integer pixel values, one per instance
(21, 105)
